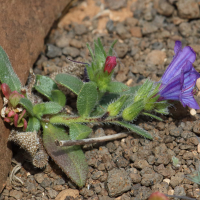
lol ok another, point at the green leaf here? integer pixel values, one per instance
(90, 50)
(33, 124)
(101, 47)
(26, 103)
(78, 131)
(99, 55)
(110, 52)
(7, 74)
(46, 108)
(70, 159)
(136, 129)
(45, 85)
(71, 82)
(87, 99)
(117, 87)
(153, 116)
(59, 97)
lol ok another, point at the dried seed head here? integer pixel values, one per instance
(29, 141)
(40, 159)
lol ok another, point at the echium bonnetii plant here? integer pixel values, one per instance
(100, 100)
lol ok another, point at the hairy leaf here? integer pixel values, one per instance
(26, 103)
(71, 82)
(45, 85)
(7, 74)
(33, 124)
(136, 129)
(87, 99)
(59, 97)
(110, 52)
(46, 108)
(70, 159)
(117, 87)
(78, 131)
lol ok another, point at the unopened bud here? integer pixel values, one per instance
(133, 111)
(114, 108)
(110, 64)
(6, 90)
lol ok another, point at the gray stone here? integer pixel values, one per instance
(179, 191)
(121, 49)
(39, 177)
(52, 193)
(185, 29)
(188, 9)
(148, 28)
(151, 179)
(118, 182)
(53, 51)
(115, 4)
(122, 31)
(71, 51)
(80, 29)
(16, 194)
(46, 182)
(110, 26)
(163, 7)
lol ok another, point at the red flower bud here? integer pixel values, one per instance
(157, 196)
(6, 90)
(110, 64)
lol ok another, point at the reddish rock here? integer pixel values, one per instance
(156, 57)
(136, 32)
(24, 25)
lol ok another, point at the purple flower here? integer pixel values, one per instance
(179, 79)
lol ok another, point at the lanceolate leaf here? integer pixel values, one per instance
(46, 108)
(110, 52)
(45, 85)
(78, 131)
(7, 74)
(117, 87)
(70, 159)
(33, 124)
(136, 129)
(27, 105)
(71, 82)
(87, 99)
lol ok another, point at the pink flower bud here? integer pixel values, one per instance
(11, 113)
(25, 124)
(110, 64)
(16, 116)
(7, 120)
(157, 196)
(6, 90)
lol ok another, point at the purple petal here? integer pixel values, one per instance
(178, 62)
(177, 47)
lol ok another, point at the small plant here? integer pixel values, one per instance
(175, 161)
(99, 101)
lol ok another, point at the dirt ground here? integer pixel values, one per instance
(134, 167)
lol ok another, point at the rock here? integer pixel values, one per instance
(148, 28)
(51, 193)
(140, 164)
(96, 175)
(118, 182)
(121, 49)
(175, 131)
(80, 29)
(75, 43)
(115, 4)
(151, 179)
(155, 57)
(71, 51)
(86, 192)
(16, 194)
(136, 32)
(110, 26)
(53, 51)
(166, 172)
(62, 41)
(188, 156)
(188, 9)
(143, 193)
(122, 31)
(185, 29)
(22, 37)
(179, 191)
(177, 179)
(196, 128)
(67, 193)
(163, 7)
(39, 177)
(46, 182)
